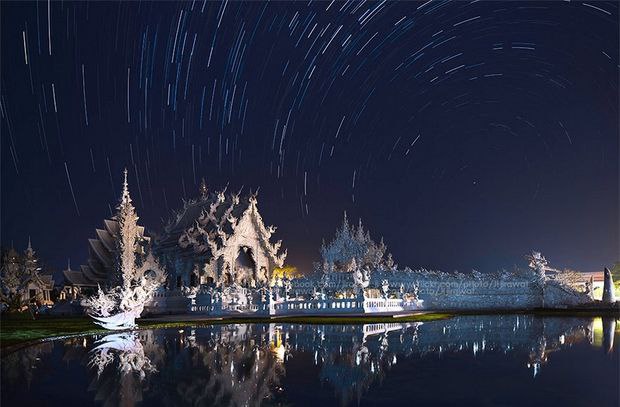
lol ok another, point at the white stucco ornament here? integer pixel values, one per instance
(139, 275)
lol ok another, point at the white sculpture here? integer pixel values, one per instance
(361, 279)
(118, 307)
(609, 295)
(538, 263)
(385, 287)
(352, 247)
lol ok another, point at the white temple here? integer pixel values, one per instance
(342, 284)
(220, 260)
(219, 239)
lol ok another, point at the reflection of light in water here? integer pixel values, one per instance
(597, 329)
(349, 358)
(535, 366)
(604, 330)
(276, 346)
(279, 353)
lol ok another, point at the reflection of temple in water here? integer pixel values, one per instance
(19, 368)
(246, 364)
(230, 365)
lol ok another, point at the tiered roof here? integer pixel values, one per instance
(102, 253)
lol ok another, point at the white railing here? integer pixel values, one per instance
(301, 306)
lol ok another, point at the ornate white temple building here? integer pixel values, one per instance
(342, 283)
(219, 259)
(218, 239)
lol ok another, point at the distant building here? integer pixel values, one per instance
(22, 276)
(76, 284)
(594, 279)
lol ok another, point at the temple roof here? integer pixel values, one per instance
(224, 205)
(102, 250)
(48, 280)
(106, 238)
(78, 278)
(203, 226)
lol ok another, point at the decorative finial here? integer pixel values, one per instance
(125, 198)
(29, 250)
(204, 190)
(345, 222)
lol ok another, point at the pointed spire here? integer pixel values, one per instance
(125, 198)
(203, 189)
(30, 254)
(360, 231)
(29, 251)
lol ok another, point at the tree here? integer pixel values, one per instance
(615, 274)
(17, 273)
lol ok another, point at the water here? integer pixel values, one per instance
(510, 360)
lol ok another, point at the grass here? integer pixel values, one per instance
(16, 331)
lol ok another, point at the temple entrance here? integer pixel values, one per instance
(245, 266)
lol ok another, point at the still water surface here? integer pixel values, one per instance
(510, 360)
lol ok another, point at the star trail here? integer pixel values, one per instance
(465, 133)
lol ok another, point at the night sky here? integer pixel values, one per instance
(466, 133)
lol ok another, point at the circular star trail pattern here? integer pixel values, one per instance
(465, 133)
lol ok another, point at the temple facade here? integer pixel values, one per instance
(219, 239)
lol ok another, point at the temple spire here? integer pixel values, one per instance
(345, 224)
(125, 198)
(204, 190)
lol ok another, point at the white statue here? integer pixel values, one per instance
(538, 263)
(385, 287)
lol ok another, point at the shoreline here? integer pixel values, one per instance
(18, 333)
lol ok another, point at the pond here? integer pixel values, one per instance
(511, 360)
